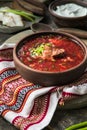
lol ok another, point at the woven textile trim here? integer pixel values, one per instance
(28, 106)
(25, 105)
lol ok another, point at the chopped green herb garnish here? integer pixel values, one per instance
(29, 16)
(78, 126)
(37, 51)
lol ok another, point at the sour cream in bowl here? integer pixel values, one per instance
(69, 13)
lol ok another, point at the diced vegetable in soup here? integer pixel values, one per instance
(53, 53)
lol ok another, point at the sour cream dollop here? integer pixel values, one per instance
(71, 10)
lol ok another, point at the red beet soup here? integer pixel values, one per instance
(52, 53)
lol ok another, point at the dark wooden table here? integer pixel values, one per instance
(61, 118)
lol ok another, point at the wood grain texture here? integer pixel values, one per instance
(31, 7)
(16, 6)
(4, 125)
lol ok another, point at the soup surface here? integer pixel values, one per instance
(53, 53)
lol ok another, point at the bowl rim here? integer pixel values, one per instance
(78, 41)
(53, 3)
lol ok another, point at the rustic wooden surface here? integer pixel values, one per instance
(61, 118)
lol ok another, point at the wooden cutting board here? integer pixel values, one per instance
(17, 37)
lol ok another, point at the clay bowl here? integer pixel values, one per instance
(46, 78)
(63, 20)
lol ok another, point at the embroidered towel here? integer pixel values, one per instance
(25, 105)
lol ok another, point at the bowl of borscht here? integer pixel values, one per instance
(50, 58)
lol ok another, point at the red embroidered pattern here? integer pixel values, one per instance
(14, 92)
(6, 54)
(37, 114)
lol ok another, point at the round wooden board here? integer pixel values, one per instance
(63, 117)
(71, 104)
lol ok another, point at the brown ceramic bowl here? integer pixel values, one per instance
(64, 21)
(46, 78)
